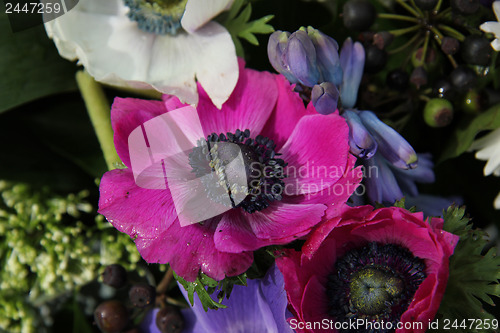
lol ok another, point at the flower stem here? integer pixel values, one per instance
(397, 17)
(452, 32)
(408, 8)
(399, 32)
(99, 113)
(404, 46)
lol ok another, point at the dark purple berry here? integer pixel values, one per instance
(358, 14)
(450, 45)
(438, 112)
(426, 4)
(466, 7)
(111, 317)
(397, 79)
(443, 88)
(476, 50)
(383, 39)
(169, 320)
(115, 276)
(463, 78)
(419, 77)
(142, 295)
(375, 59)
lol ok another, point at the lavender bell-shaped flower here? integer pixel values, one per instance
(324, 97)
(276, 51)
(352, 60)
(390, 143)
(327, 56)
(361, 142)
(301, 58)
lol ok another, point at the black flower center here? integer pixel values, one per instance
(240, 168)
(376, 283)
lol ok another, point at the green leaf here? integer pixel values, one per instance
(240, 27)
(31, 66)
(467, 130)
(205, 286)
(198, 287)
(473, 274)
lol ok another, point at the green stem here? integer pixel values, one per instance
(398, 17)
(99, 113)
(452, 32)
(399, 32)
(404, 46)
(408, 8)
(438, 6)
(424, 51)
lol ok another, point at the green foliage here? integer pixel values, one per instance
(205, 286)
(474, 272)
(467, 130)
(238, 24)
(31, 67)
(46, 251)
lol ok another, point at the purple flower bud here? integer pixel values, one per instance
(276, 51)
(421, 174)
(301, 58)
(361, 142)
(327, 56)
(324, 97)
(390, 143)
(352, 60)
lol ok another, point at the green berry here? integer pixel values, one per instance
(438, 112)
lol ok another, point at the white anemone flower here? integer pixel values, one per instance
(167, 45)
(494, 27)
(488, 149)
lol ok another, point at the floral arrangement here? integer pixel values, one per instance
(250, 166)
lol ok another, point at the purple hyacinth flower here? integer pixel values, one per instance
(276, 51)
(258, 307)
(390, 143)
(352, 60)
(381, 184)
(327, 56)
(361, 142)
(324, 97)
(301, 58)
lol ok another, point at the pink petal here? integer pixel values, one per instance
(126, 115)
(287, 113)
(191, 249)
(316, 153)
(135, 211)
(280, 223)
(248, 107)
(314, 302)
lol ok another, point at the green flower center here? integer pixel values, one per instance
(376, 282)
(372, 288)
(157, 16)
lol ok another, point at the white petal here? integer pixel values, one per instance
(497, 202)
(496, 9)
(495, 44)
(493, 27)
(493, 162)
(199, 12)
(492, 138)
(209, 54)
(497, 171)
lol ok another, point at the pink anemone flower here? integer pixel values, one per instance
(382, 270)
(299, 152)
